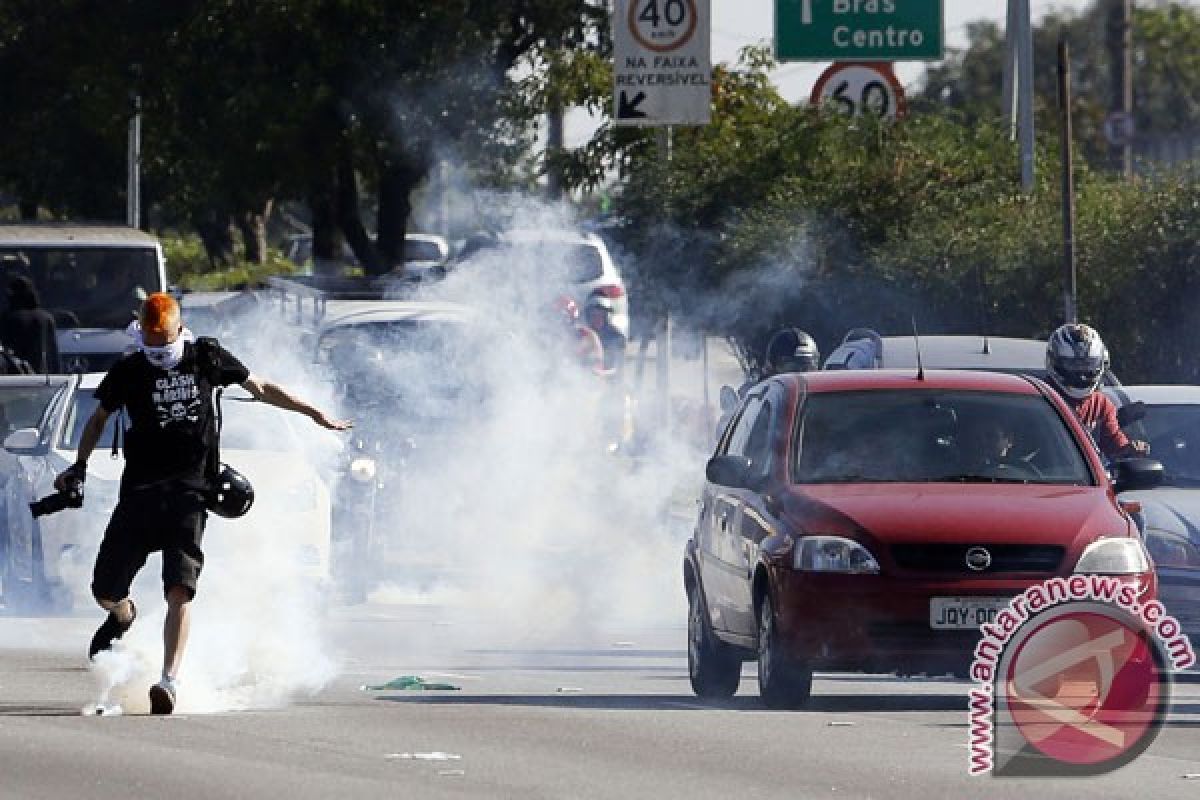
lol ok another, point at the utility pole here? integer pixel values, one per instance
(1068, 178)
(554, 149)
(1120, 56)
(1018, 85)
(133, 188)
(554, 125)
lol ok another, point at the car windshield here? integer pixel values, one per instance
(935, 436)
(559, 261)
(1173, 433)
(425, 367)
(93, 287)
(246, 425)
(23, 406)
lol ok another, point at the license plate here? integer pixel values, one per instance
(964, 613)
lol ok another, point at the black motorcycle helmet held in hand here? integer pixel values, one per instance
(231, 494)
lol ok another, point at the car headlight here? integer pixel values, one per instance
(1114, 556)
(362, 469)
(833, 554)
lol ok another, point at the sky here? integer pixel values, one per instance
(737, 23)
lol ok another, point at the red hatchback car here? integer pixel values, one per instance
(871, 520)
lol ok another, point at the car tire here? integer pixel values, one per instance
(783, 681)
(714, 668)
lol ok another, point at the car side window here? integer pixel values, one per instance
(743, 427)
(758, 448)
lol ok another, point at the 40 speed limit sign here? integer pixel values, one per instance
(861, 87)
(662, 64)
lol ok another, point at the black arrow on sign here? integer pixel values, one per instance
(629, 110)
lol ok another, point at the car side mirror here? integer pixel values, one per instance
(1137, 473)
(1131, 413)
(23, 442)
(728, 398)
(731, 471)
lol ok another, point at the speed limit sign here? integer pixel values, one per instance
(861, 87)
(662, 62)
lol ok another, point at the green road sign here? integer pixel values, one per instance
(858, 30)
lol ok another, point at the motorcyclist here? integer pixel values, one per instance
(789, 350)
(583, 345)
(1076, 360)
(598, 314)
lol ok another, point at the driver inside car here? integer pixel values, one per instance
(986, 449)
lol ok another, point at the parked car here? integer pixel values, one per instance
(1168, 419)
(863, 348)
(24, 400)
(91, 278)
(558, 262)
(869, 520)
(48, 559)
(423, 252)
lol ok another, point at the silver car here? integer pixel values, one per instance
(1170, 513)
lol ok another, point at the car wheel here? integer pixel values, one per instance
(714, 669)
(783, 681)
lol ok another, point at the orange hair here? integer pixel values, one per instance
(160, 314)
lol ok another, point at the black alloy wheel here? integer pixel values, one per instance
(714, 668)
(783, 681)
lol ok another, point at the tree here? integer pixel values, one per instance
(1166, 78)
(247, 103)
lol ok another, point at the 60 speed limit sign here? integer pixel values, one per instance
(861, 87)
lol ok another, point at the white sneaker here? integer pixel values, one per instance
(162, 697)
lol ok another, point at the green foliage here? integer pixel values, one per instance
(776, 216)
(188, 266)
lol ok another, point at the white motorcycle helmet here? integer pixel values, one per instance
(1076, 359)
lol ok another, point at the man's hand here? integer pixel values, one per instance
(70, 477)
(325, 421)
(1139, 448)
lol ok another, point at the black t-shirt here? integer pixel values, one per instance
(171, 417)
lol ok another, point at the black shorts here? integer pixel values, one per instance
(145, 522)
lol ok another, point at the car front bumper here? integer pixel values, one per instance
(877, 623)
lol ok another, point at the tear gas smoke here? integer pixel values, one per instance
(511, 510)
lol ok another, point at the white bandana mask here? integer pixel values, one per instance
(167, 356)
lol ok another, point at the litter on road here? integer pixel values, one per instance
(841, 723)
(410, 683)
(436, 755)
(101, 710)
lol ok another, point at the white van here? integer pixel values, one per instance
(92, 278)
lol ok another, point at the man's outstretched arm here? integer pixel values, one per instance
(275, 395)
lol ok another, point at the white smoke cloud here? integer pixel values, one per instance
(520, 517)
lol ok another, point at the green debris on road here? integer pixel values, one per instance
(411, 683)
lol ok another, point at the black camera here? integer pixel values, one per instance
(53, 503)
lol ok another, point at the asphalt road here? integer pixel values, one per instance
(607, 715)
